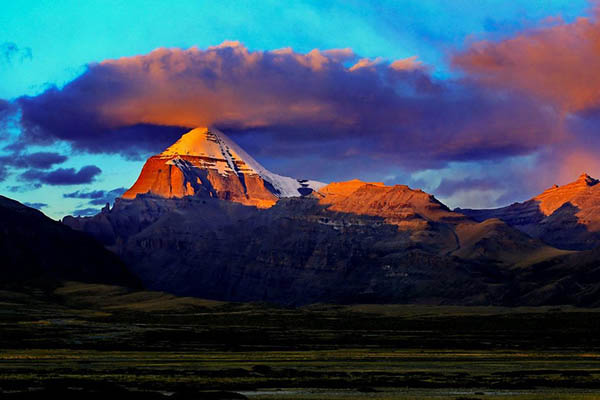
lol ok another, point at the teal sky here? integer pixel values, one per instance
(54, 40)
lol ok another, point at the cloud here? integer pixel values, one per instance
(10, 52)
(23, 188)
(62, 176)
(5, 105)
(291, 103)
(449, 186)
(43, 160)
(557, 63)
(407, 64)
(8, 117)
(36, 205)
(3, 173)
(96, 197)
(40, 160)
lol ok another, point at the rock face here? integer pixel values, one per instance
(205, 219)
(577, 193)
(36, 248)
(430, 223)
(566, 217)
(349, 242)
(206, 163)
(399, 205)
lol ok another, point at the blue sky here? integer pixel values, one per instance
(51, 43)
(66, 35)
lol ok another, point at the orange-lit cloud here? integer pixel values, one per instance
(326, 102)
(407, 64)
(558, 63)
(229, 83)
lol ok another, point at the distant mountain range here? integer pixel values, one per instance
(205, 219)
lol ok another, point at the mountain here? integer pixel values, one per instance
(204, 219)
(295, 252)
(398, 204)
(36, 248)
(205, 162)
(346, 242)
(567, 217)
(433, 225)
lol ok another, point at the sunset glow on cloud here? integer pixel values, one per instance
(394, 111)
(558, 64)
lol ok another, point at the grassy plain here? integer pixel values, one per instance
(102, 339)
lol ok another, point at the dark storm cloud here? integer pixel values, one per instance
(62, 176)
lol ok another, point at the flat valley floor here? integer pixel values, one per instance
(76, 338)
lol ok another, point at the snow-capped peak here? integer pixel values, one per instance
(213, 144)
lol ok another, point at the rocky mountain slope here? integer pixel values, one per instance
(350, 242)
(205, 219)
(36, 248)
(205, 162)
(566, 217)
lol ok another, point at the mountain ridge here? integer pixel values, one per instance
(567, 217)
(350, 241)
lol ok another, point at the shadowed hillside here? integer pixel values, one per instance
(36, 248)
